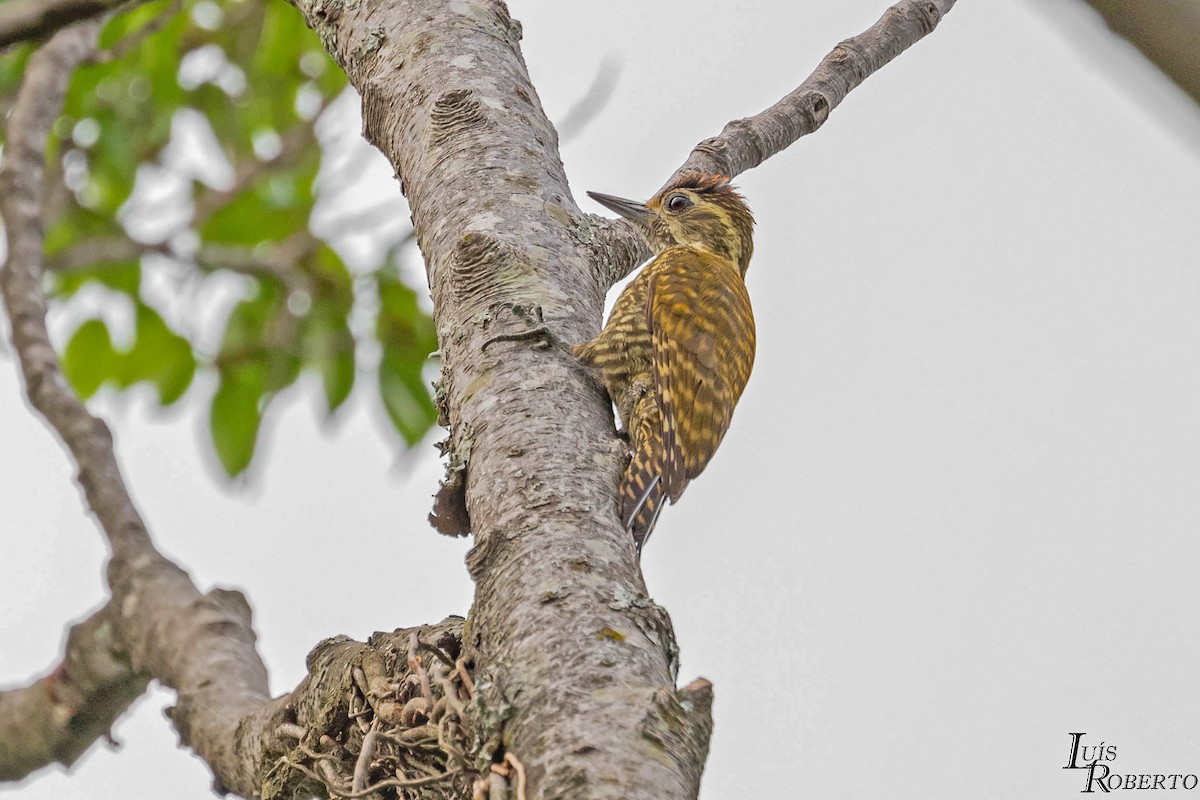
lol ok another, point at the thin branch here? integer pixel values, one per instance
(98, 252)
(21, 20)
(746, 143)
(414, 663)
(365, 755)
(593, 101)
(516, 764)
(275, 260)
(57, 718)
(392, 783)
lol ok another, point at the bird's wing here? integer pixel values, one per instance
(702, 332)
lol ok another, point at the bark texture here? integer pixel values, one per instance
(1167, 32)
(57, 718)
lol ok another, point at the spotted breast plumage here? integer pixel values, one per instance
(677, 350)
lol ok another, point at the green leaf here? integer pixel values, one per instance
(260, 336)
(123, 25)
(235, 417)
(405, 396)
(249, 319)
(12, 69)
(88, 358)
(329, 346)
(337, 375)
(79, 225)
(123, 277)
(408, 337)
(273, 208)
(332, 283)
(160, 356)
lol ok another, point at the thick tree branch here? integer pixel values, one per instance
(574, 663)
(746, 143)
(58, 717)
(1167, 32)
(21, 20)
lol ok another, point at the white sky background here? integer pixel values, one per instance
(956, 516)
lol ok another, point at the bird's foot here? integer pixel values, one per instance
(540, 333)
(543, 337)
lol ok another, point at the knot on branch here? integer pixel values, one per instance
(851, 60)
(925, 15)
(386, 719)
(716, 149)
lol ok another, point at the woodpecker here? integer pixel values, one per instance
(677, 350)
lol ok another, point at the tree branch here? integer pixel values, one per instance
(746, 143)
(574, 663)
(1166, 32)
(58, 717)
(276, 260)
(21, 20)
(158, 624)
(200, 645)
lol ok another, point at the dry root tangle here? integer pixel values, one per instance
(410, 736)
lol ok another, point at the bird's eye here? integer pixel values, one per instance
(677, 203)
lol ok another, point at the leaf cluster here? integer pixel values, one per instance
(186, 154)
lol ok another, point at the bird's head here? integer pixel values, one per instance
(695, 210)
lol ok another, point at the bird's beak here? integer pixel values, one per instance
(629, 209)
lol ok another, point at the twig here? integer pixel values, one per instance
(746, 143)
(1165, 33)
(306, 771)
(328, 769)
(497, 786)
(290, 730)
(460, 667)
(363, 764)
(390, 783)
(449, 690)
(421, 766)
(314, 755)
(414, 663)
(248, 171)
(437, 652)
(509, 758)
(593, 101)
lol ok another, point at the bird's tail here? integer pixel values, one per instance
(642, 497)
